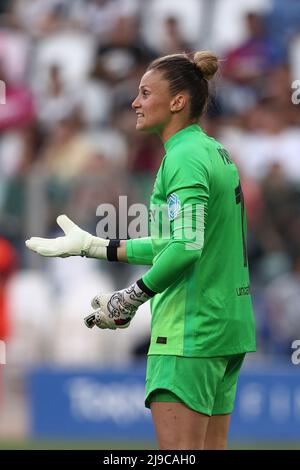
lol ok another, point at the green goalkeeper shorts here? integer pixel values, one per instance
(204, 384)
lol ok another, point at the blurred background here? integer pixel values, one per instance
(68, 144)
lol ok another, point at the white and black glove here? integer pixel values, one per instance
(117, 309)
(76, 242)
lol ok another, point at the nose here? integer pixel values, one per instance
(135, 104)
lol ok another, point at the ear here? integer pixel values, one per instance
(178, 103)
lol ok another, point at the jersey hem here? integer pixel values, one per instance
(201, 352)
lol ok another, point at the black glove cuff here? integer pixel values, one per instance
(112, 250)
(145, 289)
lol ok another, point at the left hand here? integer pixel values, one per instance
(75, 242)
(117, 309)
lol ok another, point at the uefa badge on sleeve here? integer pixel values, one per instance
(174, 206)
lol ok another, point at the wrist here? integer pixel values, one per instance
(122, 251)
(142, 286)
(100, 248)
(95, 248)
(112, 250)
(137, 294)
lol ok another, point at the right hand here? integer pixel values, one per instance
(116, 310)
(75, 242)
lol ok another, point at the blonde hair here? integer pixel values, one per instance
(207, 62)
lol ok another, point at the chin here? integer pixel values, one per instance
(143, 128)
(140, 127)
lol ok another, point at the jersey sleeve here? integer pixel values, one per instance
(186, 187)
(139, 251)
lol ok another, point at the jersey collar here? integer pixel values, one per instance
(178, 135)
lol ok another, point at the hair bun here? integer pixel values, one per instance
(207, 63)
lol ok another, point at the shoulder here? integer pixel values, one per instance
(189, 155)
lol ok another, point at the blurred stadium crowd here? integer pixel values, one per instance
(68, 143)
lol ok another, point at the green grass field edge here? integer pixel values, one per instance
(101, 445)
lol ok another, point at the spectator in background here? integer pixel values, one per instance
(62, 157)
(121, 60)
(4, 6)
(283, 300)
(15, 48)
(54, 103)
(279, 92)
(268, 139)
(284, 19)
(282, 207)
(18, 152)
(19, 109)
(123, 51)
(8, 265)
(248, 66)
(39, 17)
(173, 38)
(95, 100)
(253, 59)
(96, 16)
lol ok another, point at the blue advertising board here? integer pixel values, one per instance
(267, 404)
(108, 404)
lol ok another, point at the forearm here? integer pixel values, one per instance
(182, 251)
(136, 251)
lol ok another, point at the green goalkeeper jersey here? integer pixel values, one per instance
(198, 252)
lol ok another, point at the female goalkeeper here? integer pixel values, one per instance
(198, 282)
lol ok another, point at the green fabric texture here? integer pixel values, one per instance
(198, 237)
(206, 385)
(139, 251)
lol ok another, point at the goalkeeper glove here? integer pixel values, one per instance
(75, 242)
(116, 310)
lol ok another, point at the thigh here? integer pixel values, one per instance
(178, 427)
(217, 432)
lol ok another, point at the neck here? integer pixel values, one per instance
(174, 127)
